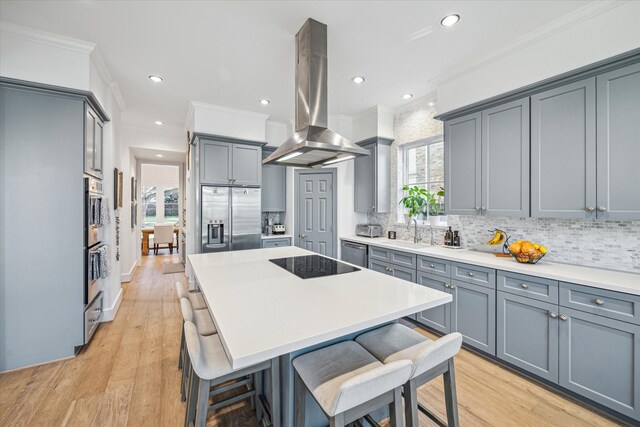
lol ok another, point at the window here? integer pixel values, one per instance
(171, 205)
(149, 206)
(422, 164)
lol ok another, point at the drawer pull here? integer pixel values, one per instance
(598, 301)
(452, 286)
(446, 285)
(471, 274)
(553, 314)
(432, 265)
(524, 286)
(563, 317)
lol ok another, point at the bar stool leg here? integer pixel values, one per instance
(411, 403)
(257, 385)
(202, 406)
(192, 395)
(185, 377)
(450, 396)
(275, 392)
(395, 409)
(181, 355)
(300, 399)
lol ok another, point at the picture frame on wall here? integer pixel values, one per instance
(134, 218)
(118, 185)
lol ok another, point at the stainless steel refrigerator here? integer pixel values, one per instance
(230, 218)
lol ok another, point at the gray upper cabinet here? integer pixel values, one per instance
(618, 144)
(372, 177)
(563, 151)
(463, 163)
(93, 129)
(224, 163)
(505, 160)
(274, 185)
(527, 334)
(600, 359)
(247, 164)
(215, 163)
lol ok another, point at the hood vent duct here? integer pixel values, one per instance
(313, 144)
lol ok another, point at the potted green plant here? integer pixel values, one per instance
(435, 207)
(416, 199)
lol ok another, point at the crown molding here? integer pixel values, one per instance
(117, 95)
(9, 29)
(203, 105)
(561, 24)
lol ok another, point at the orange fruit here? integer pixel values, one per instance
(515, 248)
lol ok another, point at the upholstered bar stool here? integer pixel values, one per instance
(205, 327)
(348, 383)
(430, 359)
(197, 303)
(210, 367)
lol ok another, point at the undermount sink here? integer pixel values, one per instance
(411, 245)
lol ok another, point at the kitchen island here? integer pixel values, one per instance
(262, 311)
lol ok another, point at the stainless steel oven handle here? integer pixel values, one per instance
(351, 245)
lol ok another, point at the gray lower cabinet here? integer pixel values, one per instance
(600, 359)
(379, 266)
(276, 243)
(404, 273)
(372, 173)
(274, 185)
(618, 145)
(563, 151)
(438, 318)
(527, 334)
(463, 163)
(473, 314)
(505, 160)
(225, 163)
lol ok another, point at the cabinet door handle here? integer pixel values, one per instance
(553, 314)
(524, 286)
(432, 266)
(590, 209)
(601, 209)
(477, 208)
(452, 286)
(471, 274)
(599, 301)
(484, 208)
(563, 317)
(446, 285)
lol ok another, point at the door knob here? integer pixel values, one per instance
(302, 236)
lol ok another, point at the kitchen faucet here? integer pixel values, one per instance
(431, 231)
(416, 236)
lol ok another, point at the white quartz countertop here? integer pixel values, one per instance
(277, 236)
(588, 276)
(263, 311)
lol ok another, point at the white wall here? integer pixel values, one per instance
(218, 120)
(607, 34)
(375, 121)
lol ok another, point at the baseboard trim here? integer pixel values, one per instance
(37, 364)
(126, 277)
(109, 314)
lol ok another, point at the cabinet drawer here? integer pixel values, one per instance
(275, 243)
(528, 286)
(404, 273)
(403, 259)
(615, 305)
(473, 274)
(434, 266)
(380, 254)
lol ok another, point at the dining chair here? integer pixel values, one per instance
(163, 235)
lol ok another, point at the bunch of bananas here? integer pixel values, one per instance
(498, 238)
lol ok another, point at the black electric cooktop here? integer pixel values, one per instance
(310, 266)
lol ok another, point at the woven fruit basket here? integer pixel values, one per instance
(527, 252)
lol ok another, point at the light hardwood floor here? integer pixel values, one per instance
(128, 376)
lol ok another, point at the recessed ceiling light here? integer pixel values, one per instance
(450, 20)
(358, 80)
(407, 96)
(159, 155)
(159, 122)
(264, 101)
(431, 104)
(156, 79)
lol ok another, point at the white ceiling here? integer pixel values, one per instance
(235, 53)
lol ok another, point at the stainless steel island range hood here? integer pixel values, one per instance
(313, 144)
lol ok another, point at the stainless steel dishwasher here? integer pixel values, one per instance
(355, 253)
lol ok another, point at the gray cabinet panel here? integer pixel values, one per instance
(408, 274)
(474, 274)
(215, 163)
(600, 359)
(527, 334)
(505, 160)
(380, 254)
(372, 177)
(274, 186)
(528, 286)
(463, 165)
(563, 152)
(618, 125)
(275, 243)
(379, 266)
(434, 266)
(473, 314)
(247, 164)
(403, 259)
(602, 302)
(438, 318)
